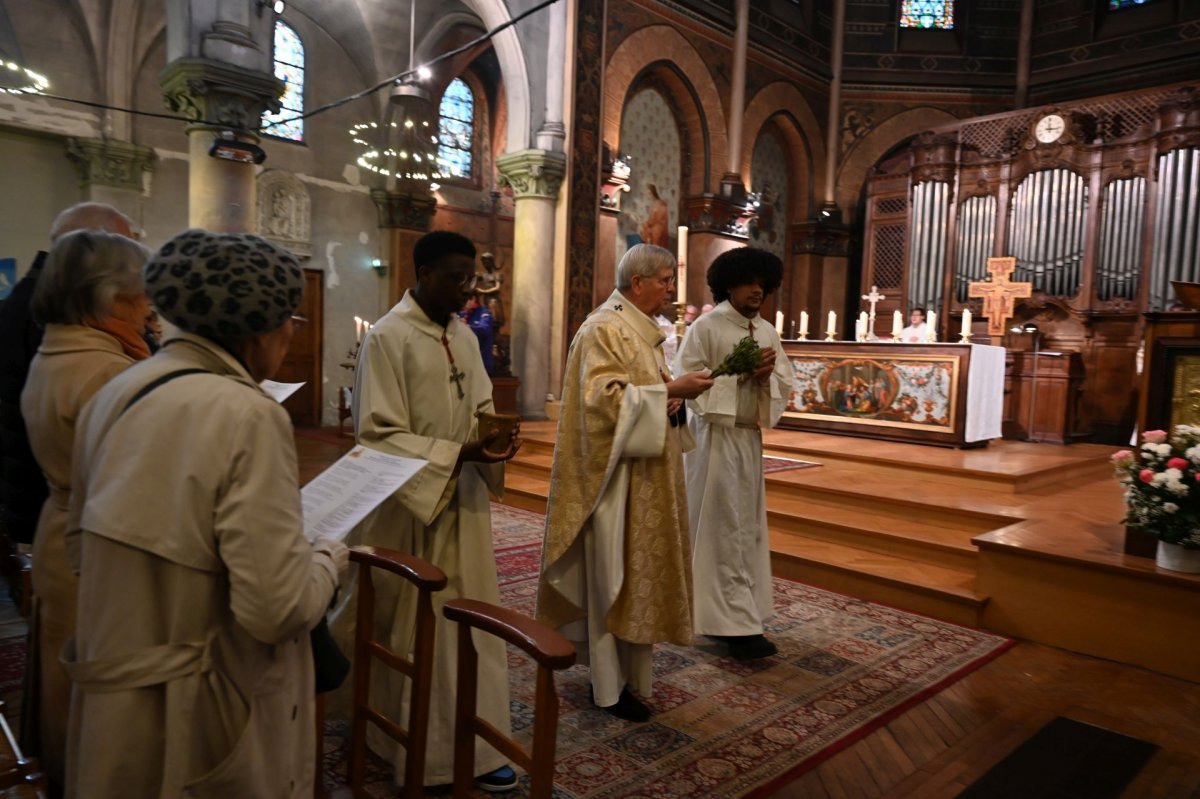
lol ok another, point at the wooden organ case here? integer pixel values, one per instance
(1099, 202)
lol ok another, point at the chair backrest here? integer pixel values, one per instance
(550, 650)
(427, 578)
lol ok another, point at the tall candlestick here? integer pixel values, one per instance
(931, 323)
(897, 323)
(966, 322)
(779, 323)
(832, 322)
(681, 256)
(804, 324)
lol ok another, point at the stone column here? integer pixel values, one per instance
(111, 171)
(1024, 48)
(731, 182)
(223, 101)
(535, 176)
(403, 218)
(833, 136)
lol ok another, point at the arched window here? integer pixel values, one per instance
(289, 68)
(456, 130)
(925, 14)
(1113, 5)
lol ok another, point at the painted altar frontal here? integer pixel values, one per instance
(949, 394)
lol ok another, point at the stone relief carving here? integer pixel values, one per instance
(284, 211)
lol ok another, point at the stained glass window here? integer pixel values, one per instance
(456, 130)
(289, 68)
(921, 14)
(1113, 5)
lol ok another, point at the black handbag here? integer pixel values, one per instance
(330, 664)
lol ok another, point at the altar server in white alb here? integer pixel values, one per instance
(726, 491)
(418, 386)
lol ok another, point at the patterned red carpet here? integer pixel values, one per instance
(724, 728)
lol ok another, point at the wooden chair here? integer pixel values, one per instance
(551, 651)
(18, 773)
(427, 578)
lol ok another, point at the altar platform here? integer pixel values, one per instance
(1020, 538)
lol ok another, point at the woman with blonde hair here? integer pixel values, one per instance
(91, 302)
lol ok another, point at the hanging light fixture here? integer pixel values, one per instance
(16, 79)
(404, 148)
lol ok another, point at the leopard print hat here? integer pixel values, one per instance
(224, 285)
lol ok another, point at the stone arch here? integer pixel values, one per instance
(514, 70)
(783, 104)
(866, 152)
(703, 122)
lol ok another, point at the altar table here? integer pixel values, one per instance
(943, 394)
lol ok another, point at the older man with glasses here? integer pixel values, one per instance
(419, 385)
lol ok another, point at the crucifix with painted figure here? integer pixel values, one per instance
(874, 298)
(999, 293)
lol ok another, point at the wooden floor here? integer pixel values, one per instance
(937, 517)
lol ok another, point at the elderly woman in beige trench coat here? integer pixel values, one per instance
(90, 300)
(192, 665)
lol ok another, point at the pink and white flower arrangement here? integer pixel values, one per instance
(1162, 485)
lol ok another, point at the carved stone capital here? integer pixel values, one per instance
(404, 210)
(711, 213)
(110, 162)
(218, 95)
(533, 173)
(820, 237)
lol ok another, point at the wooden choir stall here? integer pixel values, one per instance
(1095, 202)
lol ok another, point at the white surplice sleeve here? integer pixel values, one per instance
(774, 396)
(719, 405)
(381, 421)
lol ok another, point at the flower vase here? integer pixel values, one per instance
(1173, 557)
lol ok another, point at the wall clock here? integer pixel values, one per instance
(1049, 128)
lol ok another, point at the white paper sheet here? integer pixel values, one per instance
(341, 496)
(279, 391)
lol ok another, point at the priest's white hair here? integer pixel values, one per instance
(644, 260)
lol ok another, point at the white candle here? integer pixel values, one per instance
(864, 323)
(803, 324)
(858, 329)
(779, 323)
(897, 323)
(832, 323)
(357, 330)
(966, 326)
(681, 256)
(931, 323)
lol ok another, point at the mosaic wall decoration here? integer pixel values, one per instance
(925, 14)
(769, 179)
(916, 392)
(289, 68)
(650, 138)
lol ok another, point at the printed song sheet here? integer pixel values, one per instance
(279, 391)
(342, 495)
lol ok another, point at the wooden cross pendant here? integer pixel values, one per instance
(456, 377)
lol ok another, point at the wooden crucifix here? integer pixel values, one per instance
(873, 298)
(999, 294)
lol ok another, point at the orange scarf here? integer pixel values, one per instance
(129, 337)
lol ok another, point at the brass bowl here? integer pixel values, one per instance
(1188, 294)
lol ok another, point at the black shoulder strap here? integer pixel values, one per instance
(158, 381)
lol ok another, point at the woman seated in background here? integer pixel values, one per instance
(90, 300)
(192, 664)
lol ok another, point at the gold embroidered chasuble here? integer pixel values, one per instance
(614, 415)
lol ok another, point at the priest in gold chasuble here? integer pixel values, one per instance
(616, 574)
